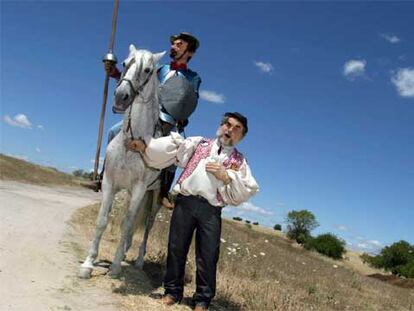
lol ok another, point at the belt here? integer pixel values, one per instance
(197, 197)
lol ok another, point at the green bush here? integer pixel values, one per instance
(277, 227)
(237, 218)
(327, 244)
(398, 254)
(303, 238)
(397, 258)
(406, 270)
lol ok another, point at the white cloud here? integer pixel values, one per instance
(101, 159)
(249, 207)
(212, 97)
(390, 38)
(354, 68)
(18, 156)
(40, 127)
(264, 67)
(19, 120)
(38, 149)
(404, 81)
(364, 245)
(375, 242)
(342, 228)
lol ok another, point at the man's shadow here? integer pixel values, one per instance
(146, 282)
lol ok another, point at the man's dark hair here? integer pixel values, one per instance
(238, 116)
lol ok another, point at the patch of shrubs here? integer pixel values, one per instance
(237, 218)
(327, 244)
(397, 258)
(256, 223)
(277, 227)
(83, 174)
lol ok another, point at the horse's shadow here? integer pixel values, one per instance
(140, 282)
(148, 281)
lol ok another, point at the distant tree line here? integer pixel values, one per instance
(246, 221)
(83, 174)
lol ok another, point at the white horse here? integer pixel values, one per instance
(124, 169)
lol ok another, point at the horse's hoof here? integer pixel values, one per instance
(115, 271)
(85, 273)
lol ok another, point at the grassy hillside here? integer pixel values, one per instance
(258, 270)
(20, 170)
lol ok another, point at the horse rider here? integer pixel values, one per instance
(178, 96)
(214, 174)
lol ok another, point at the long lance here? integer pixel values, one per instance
(111, 58)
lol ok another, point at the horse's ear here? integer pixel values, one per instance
(158, 56)
(132, 48)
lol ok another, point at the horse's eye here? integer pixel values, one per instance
(123, 64)
(147, 70)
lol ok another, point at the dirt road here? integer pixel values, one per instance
(37, 268)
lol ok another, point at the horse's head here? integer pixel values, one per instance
(139, 67)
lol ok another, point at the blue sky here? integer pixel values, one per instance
(328, 88)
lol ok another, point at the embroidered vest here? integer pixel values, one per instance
(203, 149)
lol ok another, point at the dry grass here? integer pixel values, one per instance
(286, 277)
(20, 170)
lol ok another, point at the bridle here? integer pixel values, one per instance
(135, 93)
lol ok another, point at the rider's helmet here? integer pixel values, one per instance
(193, 43)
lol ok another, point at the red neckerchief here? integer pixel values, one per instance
(175, 66)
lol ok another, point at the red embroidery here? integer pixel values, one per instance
(203, 150)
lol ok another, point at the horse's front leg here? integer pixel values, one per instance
(101, 223)
(128, 240)
(137, 195)
(153, 207)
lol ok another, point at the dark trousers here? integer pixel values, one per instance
(193, 213)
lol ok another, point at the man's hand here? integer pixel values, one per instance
(136, 145)
(111, 70)
(219, 171)
(109, 67)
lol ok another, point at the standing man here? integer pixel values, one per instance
(215, 174)
(178, 96)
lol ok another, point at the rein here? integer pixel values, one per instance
(136, 93)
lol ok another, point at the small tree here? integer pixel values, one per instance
(327, 244)
(277, 227)
(256, 223)
(237, 218)
(300, 224)
(247, 221)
